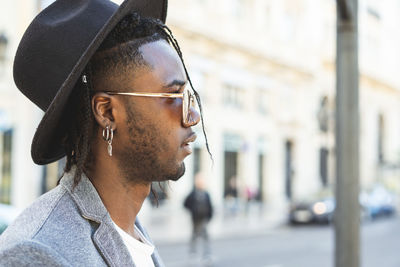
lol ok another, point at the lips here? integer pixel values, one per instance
(192, 137)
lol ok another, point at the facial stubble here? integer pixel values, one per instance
(148, 157)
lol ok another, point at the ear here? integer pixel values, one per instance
(103, 108)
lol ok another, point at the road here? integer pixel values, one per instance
(300, 246)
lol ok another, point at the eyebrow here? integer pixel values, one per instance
(179, 83)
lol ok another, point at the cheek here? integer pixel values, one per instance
(168, 129)
(158, 123)
(168, 134)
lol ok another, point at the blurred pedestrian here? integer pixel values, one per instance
(231, 196)
(199, 204)
(101, 72)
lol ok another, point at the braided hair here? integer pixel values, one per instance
(118, 53)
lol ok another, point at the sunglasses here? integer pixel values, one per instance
(188, 100)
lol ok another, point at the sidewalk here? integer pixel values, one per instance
(168, 224)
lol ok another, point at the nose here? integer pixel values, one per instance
(194, 118)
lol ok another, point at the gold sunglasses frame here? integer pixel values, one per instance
(185, 107)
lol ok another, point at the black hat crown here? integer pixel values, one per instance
(54, 51)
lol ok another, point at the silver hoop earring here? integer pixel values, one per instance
(108, 135)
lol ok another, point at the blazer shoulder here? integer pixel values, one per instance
(31, 253)
(31, 220)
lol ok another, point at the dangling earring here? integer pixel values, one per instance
(108, 135)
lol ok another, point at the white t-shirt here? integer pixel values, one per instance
(140, 250)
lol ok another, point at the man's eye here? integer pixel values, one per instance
(174, 100)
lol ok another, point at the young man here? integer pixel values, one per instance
(114, 87)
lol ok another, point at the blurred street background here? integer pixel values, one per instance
(266, 73)
(264, 245)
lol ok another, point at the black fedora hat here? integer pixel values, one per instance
(53, 53)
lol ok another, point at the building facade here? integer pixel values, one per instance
(20, 178)
(265, 70)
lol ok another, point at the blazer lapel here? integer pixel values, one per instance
(106, 238)
(114, 251)
(157, 259)
(111, 246)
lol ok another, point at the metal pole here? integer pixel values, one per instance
(347, 218)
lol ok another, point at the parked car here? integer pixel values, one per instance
(377, 202)
(7, 215)
(312, 211)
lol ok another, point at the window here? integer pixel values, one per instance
(323, 165)
(51, 174)
(230, 173)
(261, 102)
(233, 96)
(5, 167)
(323, 114)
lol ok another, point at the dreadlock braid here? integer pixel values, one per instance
(175, 44)
(77, 143)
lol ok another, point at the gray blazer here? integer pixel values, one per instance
(66, 227)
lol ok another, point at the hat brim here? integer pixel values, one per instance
(47, 141)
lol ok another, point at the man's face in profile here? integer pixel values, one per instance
(152, 136)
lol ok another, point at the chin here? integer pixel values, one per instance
(179, 173)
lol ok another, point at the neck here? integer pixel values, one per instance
(122, 199)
